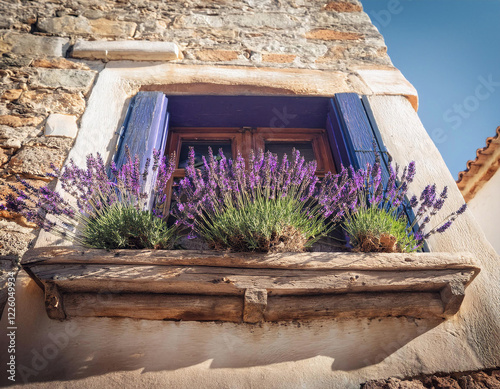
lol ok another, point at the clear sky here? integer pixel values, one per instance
(450, 51)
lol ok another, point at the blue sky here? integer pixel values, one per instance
(450, 51)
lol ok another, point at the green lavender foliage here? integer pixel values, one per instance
(107, 212)
(122, 226)
(373, 222)
(267, 205)
(263, 224)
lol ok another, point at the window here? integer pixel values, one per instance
(311, 142)
(333, 131)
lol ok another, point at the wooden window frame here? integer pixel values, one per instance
(245, 139)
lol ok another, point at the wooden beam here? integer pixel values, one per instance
(308, 260)
(191, 285)
(234, 281)
(54, 302)
(155, 306)
(452, 295)
(423, 305)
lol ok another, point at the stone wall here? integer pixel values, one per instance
(488, 379)
(43, 90)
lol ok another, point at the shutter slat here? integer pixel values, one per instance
(336, 137)
(357, 129)
(360, 133)
(145, 131)
(385, 156)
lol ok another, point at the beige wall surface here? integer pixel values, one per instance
(486, 208)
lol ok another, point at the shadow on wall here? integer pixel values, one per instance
(51, 350)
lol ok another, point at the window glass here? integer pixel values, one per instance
(201, 149)
(280, 148)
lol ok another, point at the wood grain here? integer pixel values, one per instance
(315, 260)
(191, 285)
(424, 305)
(155, 307)
(233, 281)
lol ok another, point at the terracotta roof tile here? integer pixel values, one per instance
(481, 169)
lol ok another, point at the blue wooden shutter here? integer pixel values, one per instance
(145, 129)
(362, 142)
(338, 142)
(353, 122)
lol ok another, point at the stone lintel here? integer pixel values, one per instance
(389, 82)
(127, 50)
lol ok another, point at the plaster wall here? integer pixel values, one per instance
(485, 208)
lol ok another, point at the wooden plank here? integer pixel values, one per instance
(209, 308)
(219, 280)
(384, 154)
(155, 306)
(422, 305)
(308, 260)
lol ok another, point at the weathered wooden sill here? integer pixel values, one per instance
(203, 285)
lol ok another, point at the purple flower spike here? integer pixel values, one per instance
(462, 209)
(444, 227)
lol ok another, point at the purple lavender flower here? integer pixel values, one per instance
(462, 209)
(216, 186)
(444, 227)
(92, 189)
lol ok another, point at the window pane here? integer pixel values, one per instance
(201, 149)
(280, 148)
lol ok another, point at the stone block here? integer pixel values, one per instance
(58, 63)
(151, 28)
(14, 138)
(278, 58)
(216, 55)
(72, 80)
(61, 125)
(35, 159)
(127, 50)
(17, 121)
(14, 61)
(274, 20)
(330, 35)
(68, 103)
(70, 25)
(112, 28)
(343, 6)
(389, 82)
(14, 239)
(5, 154)
(12, 94)
(36, 46)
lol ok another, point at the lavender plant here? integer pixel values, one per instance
(379, 222)
(104, 212)
(269, 205)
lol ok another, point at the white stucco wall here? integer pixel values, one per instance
(106, 352)
(486, 208)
